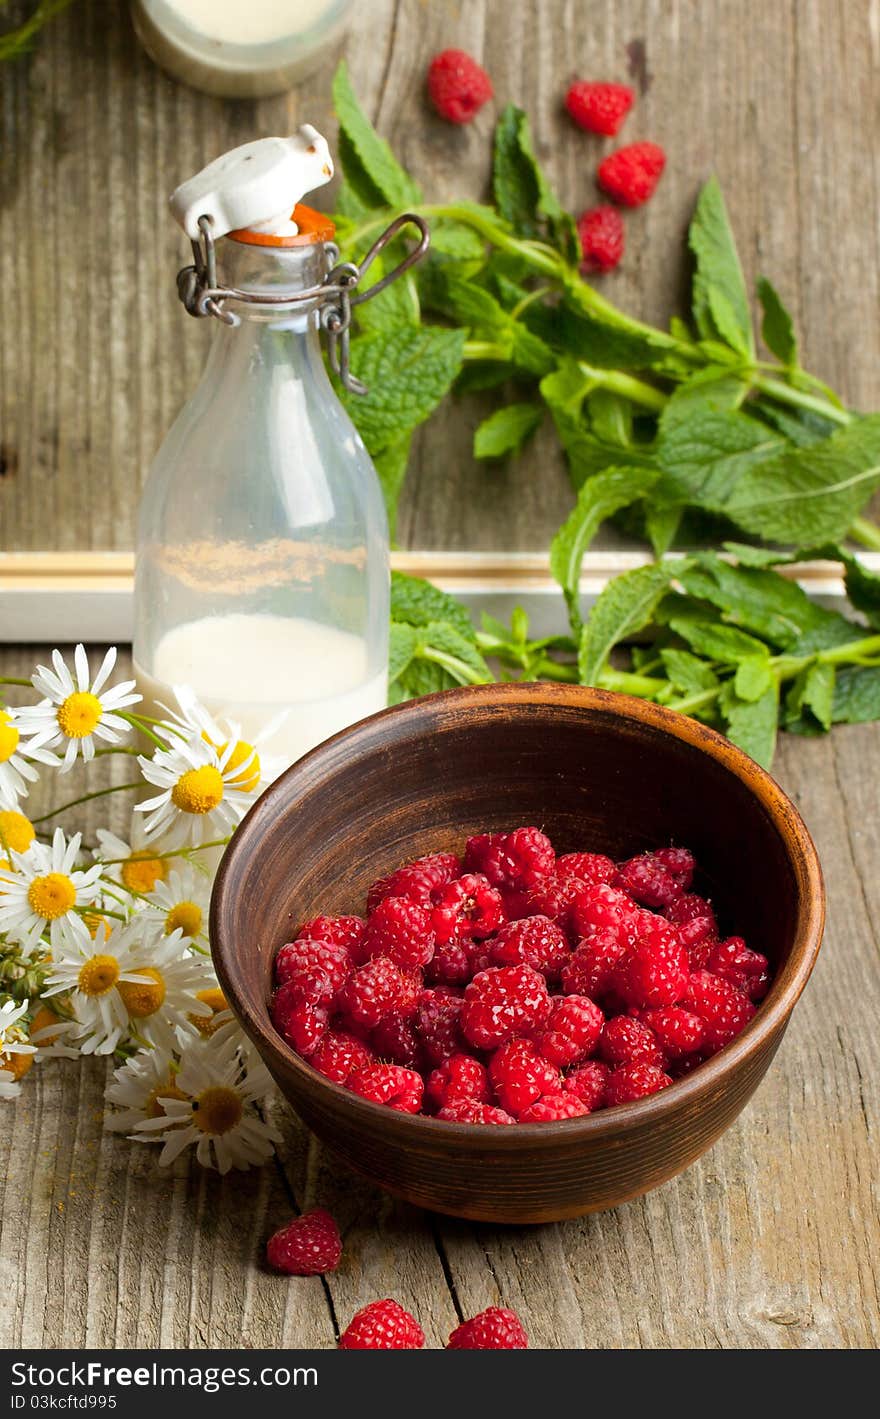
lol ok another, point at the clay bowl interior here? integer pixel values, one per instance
(594, 770)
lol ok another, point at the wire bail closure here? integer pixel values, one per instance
(336, 296)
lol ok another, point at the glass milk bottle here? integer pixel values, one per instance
(262, 569)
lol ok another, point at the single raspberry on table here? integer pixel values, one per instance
(655, 972)
(627, 1041)
(602, 906)
(471, 1111)
(493, 1329)
(374, 990)
(339, 1054)
(631, 174)
(725, 1010)
(503, 1002)
(382, 1325)
(458, 85)
(534, 941)
(458, 1077)
(587, 1083)
(395, 1041)
(734, 962)
(678, 1031)
(648, 882)
(590, 971)
(402, 931)
(299, 1022)
(680, 861)
(520, 1075)
(437, 1024)
(602, 238)
(572, 1031)
(552, 1107)
(338, 930)
(468, 907)
(634, 1081)
(307, 1246)
(590, 868)
(305, 955)
(417, 880)
(599, 108)
(389, 1084)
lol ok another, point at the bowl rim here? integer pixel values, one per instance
(770, 1018)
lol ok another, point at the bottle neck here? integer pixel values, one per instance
(273, 271)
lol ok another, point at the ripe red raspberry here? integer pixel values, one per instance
(338, 930)
(395, 1040)
(647, 881)
(503, 1002)
(600, 108)
(492, 1329)
(373, 991)
(402, 931)
(416, 880)
(300, 1023)
(551, 897)
(467, 907)
(438, 1024)
(572, 1031)
(552, 1107)
(587, 1083)
(655, 971)
(520, 1075)
(634, 1081)
(458, 85)
(382, 1325)
(307, 1246)
(690, 907)
(521, 859)
(389, 1084)
(459, 1077)
(478, 848)
(452, 963)
(534, 941)
(678, 1031)
(590, 868)
(602, 237)
(626, 1041)
(748, 970)
(725, 1009)
(680, 862)
(339, 1055)
(470, 1111)
(631, 174)
(305, 955)
(601, 906)
(590, 971)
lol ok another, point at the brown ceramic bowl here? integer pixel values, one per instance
(595, 770)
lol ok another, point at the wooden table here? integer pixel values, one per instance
(772, 1239)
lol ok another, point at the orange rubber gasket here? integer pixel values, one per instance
(313, 227)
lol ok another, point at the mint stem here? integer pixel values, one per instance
(866, 532)
(787, 394)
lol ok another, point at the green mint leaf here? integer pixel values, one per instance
(713, 389)
(777, 326)
(456, 241)
(715, 641)
(368, 162)
(752, 724)
(800, 426)
(705, 455)
(624, 607)
(522, 193)
(418, 603)
(603, 343)
(762, 602)
(455, 651)
(689, 674)
(810, 495)
(862, 587)
(477, 308)
(720, 300)
(856, 695)
(407, 370)
(402, 646)
(812, 692)
(611, 417)
(753, 677)
(506, 430)
(662, 523)
(391, 466)
(598, 499)
(564, 392)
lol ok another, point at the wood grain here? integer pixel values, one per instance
(770, 1241)
(97, 355)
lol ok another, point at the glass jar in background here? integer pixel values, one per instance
(239, 48)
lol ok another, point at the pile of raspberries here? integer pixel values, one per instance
(459, 87)
(515, 986)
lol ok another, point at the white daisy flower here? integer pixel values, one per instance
(138, 1088)
(44, 892)
(219, 1117)
(76, 712)
(16, 1053)
(15, 770)
(258, 769)
(17, 835)
(202, 797)
(48, 1032)
(132, 864)
(178, 904)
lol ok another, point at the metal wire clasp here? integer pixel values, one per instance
(336, 296)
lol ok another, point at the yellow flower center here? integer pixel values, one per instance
(249, 778)
(16, 831)
(207, 1024)
(8, 736)
(185, 915)
(17, 1064)
(141, 871)
(94, 921)
(80, 714)
(51, 896)
(153, 1106)
(217, 1110)
(98, 975)
(143, 1000)
(198, 790)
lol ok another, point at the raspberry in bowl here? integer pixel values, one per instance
(519, 952)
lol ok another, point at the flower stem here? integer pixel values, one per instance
(86, 798)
